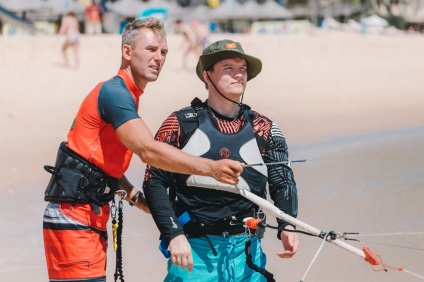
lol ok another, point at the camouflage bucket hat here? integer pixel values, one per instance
(226, 49)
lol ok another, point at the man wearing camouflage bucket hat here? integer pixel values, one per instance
(204, 229)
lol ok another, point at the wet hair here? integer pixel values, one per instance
(133, 29)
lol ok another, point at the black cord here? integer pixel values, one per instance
(269, 276)
(219, 92)
(289, 230)
(118, 270)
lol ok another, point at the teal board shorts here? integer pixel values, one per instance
(229, 265)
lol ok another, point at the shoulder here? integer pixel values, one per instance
(116, 105)
(187, 120)
(261, 120)
(186, 114)
(265, 127)
(113, 90)
(189, 114)
(116, 83)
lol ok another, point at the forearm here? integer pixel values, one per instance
(282, 186)
(129, 189)
(137, 137)
(168, 158)
(130, 192)
(283, 191)
(158, 200)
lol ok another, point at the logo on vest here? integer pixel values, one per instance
(190, 115)
(224, 153)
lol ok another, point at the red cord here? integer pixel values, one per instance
(375, 259)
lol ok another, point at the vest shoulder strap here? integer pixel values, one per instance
(188, 121)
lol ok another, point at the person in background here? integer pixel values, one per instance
(190, 43)
(201, 32)
(93, 18)
(69, 27)
(90, 165)
(204, 228)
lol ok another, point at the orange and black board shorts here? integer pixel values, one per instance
(75, 242)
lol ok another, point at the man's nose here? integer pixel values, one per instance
(158, 56)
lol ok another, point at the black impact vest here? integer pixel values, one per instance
(209, 205)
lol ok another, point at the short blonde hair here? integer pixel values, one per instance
(133, 29)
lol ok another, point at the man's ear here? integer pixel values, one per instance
(126, 51)
(206, 77)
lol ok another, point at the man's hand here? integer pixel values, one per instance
(227, 171)
(181, 252)
(290, 243)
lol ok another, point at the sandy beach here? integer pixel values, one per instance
(351, 104)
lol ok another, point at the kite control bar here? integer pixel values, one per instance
(276, 163)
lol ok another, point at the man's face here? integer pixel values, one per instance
(148, 56)
(230, 76)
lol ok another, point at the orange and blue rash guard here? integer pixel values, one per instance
(92, 136)
(75, 237)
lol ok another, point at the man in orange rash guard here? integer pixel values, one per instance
(90, 166)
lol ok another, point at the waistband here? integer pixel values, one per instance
(225, 230)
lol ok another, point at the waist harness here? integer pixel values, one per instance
(75, 180)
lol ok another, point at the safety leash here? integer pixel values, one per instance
(258, 225)
(117, 233)
(269, 276)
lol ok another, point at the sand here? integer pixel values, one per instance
(350, 104)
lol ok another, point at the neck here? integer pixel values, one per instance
(139, 82)
(223, 106)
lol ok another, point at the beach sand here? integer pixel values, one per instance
(350, 104)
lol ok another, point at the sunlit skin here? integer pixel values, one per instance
(144, 62)
(230, 77)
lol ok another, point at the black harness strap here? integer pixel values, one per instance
(269, 276)
(76, 180)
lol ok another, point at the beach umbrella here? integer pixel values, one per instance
(61, 7)
(18, 6)
(44, 9)
(250, 10)
(229, 10)
(375, 21)
(330, 23)
(272, 10)
(174, 10)
(155, 12)
(340, 9)
(125, 8)
(165, 10)
(199, 12)
(354, 25)
(10, 17)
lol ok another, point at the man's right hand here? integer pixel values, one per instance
(227, 171)
(181, 252)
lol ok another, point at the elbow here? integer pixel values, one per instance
(146, 152)
(144, 155)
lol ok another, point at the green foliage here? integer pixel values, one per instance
(396, 21)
